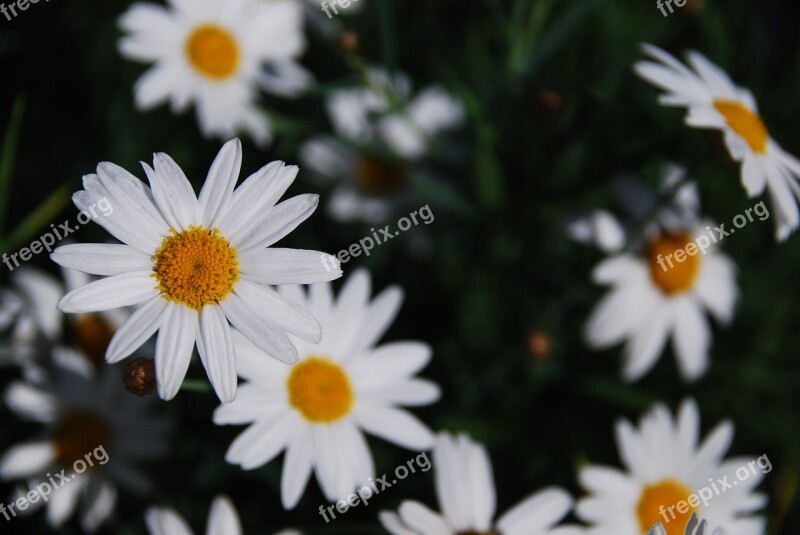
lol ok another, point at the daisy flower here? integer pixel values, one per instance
(693, 527)
(85, 416)
(653, 296)
(381, 132)
(664, 465)
(318, 409)
(216, 55)
(714, 101)
(222, 520)
(195, 264)
(466, 493)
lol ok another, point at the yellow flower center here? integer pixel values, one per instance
(213, 51)
(79, 433)
(670, 274)
(660, 497)
(745, 123)
(320, 390)
(91, 334)
(378, 176)
(196, 267)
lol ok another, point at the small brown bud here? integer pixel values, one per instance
(348, 41)
(140, 377)
(540, 345)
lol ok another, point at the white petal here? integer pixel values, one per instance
(278, 222)
(288, 266)
(281, 312)
(258, 330)
(173, 192)
(101, 508)
(296, 468)
(537, 513)
(136, 330)
(692, 339)
(217, 352)
(218, 188)
(223, 518)
(26, 460)
(30, 402)
(420, 518)
(261, 442)
(117, 291)
(101, 258)
(396, 426)
(174, 348)
(162, 521)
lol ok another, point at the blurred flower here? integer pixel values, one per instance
(84, 414)
(29, 310)
(222, 520)
(381, 133)
(601, 229)
(653, 296)
(32, 308)
(665, 464)
(693, 527)
(209, 261)
(317, 409)
(715, 102)
(466, 493)
(216, 56)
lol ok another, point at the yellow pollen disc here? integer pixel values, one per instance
(745, 123)
(92, 334)
(380, 177)
(80, 433)
(320, 390)
(196, 267)
(677, 277)
(213, 51)
(665, 493)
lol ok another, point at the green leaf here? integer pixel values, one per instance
(8, 154)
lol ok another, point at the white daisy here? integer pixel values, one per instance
(466, 493)
(693, 527)
(318, 409)
(654, 296)
(222, 520)
(216, 55)
(714, 101)
(195, 264)
(664, 465)
(381, 132)
(85, 415)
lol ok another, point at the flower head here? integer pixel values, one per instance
(193, 265)
(318, 410)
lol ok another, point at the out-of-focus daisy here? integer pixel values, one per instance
(216, 56)
(664, 465)
(381, 132)
(715, 102)
(318, 409)
(86, 415)
(29, 309)
(222, 520)
(466, 493)
(693, 527)
(654, 296)
(195, 264)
